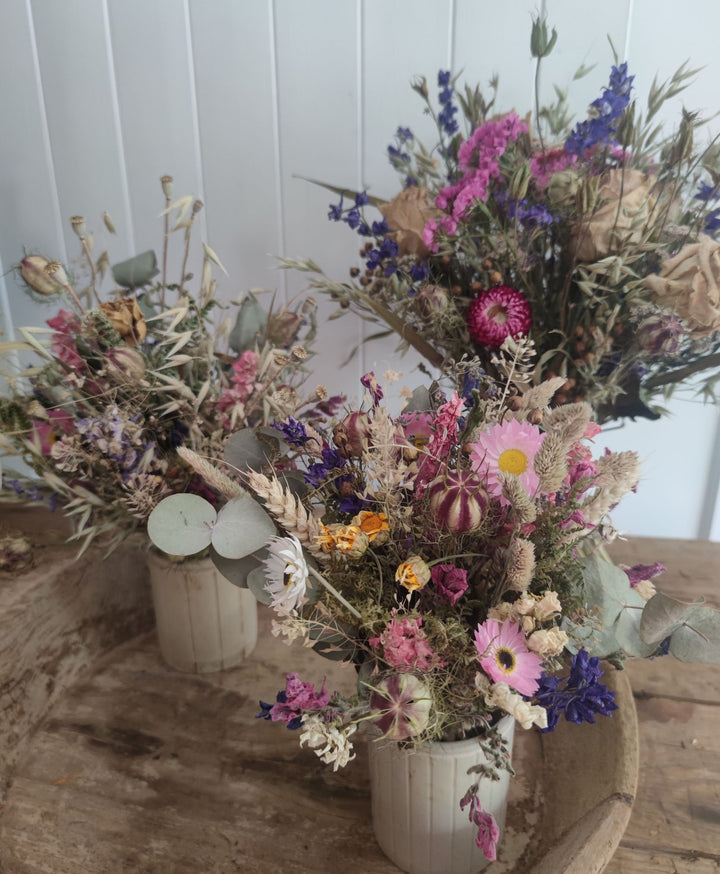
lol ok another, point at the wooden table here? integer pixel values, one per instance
(675, 823)
(143, 770)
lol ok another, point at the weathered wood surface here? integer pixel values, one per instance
(141, 769)
(675, 824)
(56, 618)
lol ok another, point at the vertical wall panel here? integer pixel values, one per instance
(153, 69)
(29, 213)
(583, 30)
(317, 90)
(233, 71)
(86, 151)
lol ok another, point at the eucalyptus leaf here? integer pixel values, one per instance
(242, 527)
(136, 271)
(251, 448)
(256, 583)
(598, 642)
(249, 325)
(236, 570)
(698, 638)
(627, 628)
(419, 401)
(605, 587)
(333, 640)
(662, 615)
(182, 524)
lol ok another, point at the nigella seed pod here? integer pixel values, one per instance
(402, 705)
(32, 270)
(458, 501)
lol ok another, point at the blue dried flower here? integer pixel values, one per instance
(580, 698)
(293, 431)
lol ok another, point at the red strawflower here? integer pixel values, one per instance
(497, 313)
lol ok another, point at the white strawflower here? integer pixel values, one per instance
(502, 696)
(286, 573)
(330, 743)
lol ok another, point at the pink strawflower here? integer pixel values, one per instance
(505, 657)
(498, 313)
(405, 645)
(47, 432)
(450, 582)
(488, 831)
(507, 448)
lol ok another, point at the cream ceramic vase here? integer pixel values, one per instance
(416, 795)
(204, 622)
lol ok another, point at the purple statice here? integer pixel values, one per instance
(640, 572)
(119, 438)
(317, 474)
(579, 696)
(446, 117)
(399, 157)
(293, 431)
(600, 126)
(292, 702)
(529, 215)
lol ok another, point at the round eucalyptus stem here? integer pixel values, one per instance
(333, 591)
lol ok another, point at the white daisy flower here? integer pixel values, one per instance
(286, 573)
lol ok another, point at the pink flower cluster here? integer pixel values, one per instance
(243, 382)
(442, 439)
(488, 831)
(62, 344)
(405, 645)
(479, 160)
(544, 165)
(297, 698)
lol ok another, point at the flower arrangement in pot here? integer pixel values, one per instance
(453, 555)
(122, 382)
(597, 240)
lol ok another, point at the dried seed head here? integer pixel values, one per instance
(322, 393)
(281, 359)
(197, 206)
(56, 271)
(550, 464)
(518, 498)
(109, 223)
(535, 416)
(520, 565)
(166, 182)
(298, 353)
(32, 270)
(78, 226)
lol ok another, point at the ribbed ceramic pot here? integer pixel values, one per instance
(416, 796)
(204, 622)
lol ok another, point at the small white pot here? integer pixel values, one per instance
(416, 796)
(204, 622)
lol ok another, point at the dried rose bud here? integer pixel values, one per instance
(458, 501)
(351, 434)
(32, 270)
(430, 300)
(125, 316)
(413, 573)
(402, 702)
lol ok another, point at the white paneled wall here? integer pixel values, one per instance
(237, 99)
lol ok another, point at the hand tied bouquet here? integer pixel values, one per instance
(598, 241)
(126, 384)
(451, 553)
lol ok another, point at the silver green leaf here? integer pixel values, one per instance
(242, 527)
(662, 615)
(136, 271)
(182, 524)
(236, 570)
(698, 638)
(256, 583)
(249, 325)
(252, 448)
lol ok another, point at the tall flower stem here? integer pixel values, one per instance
(334, 592)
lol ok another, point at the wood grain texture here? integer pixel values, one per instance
(55, 620)
(142, 769)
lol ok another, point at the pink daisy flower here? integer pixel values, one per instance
(505, 658)
(498, 313)
(509, 447)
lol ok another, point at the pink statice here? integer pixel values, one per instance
(450, 582)
(479, 161)
(504, 656)
(442, 439)
(62, 343)
(507, 448)
(298, 698)
(544, 165)
(404, 644)
(242, 384)
(488, 831)
(498, 313)
(640, 572)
